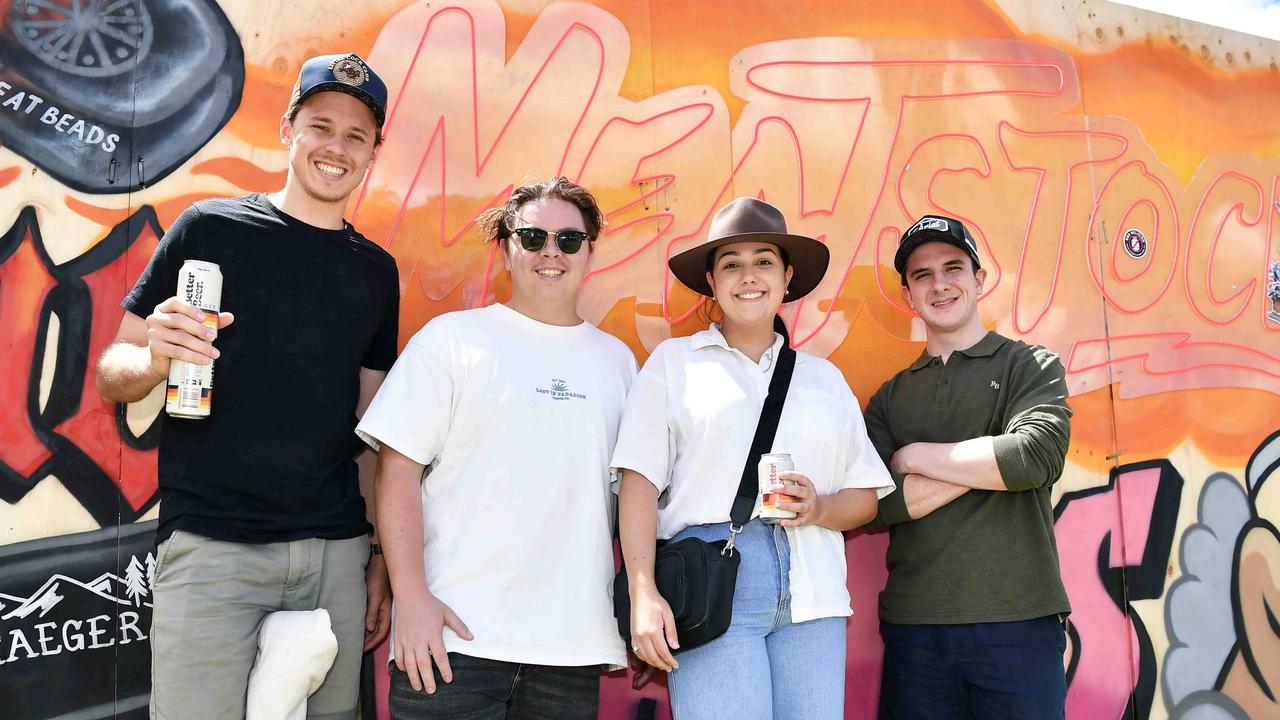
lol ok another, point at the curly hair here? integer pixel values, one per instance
(498, 223)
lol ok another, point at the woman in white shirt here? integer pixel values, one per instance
(686, 433)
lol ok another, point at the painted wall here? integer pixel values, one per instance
(1120, 170)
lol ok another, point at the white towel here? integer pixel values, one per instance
(295, 651)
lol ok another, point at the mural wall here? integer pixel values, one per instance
(1120, 170)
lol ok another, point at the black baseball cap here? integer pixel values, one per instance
(934, 228)
(345, 73)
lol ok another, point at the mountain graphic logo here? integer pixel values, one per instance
(66, 616)
(132, 590)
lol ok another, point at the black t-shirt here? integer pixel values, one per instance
(275, 460)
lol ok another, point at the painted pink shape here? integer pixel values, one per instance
(865, 654)
(1106, 673)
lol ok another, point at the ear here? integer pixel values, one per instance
(906, 296)
(790, 274)
(711, 284)
(286, 131)
(981, 277)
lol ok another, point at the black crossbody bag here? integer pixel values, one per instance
(696, 577)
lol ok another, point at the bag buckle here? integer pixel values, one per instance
(734, 529)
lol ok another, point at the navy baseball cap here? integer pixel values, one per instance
(934, 228)
(345, 73)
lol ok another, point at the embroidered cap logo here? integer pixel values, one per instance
(931, 224)
(349, 71)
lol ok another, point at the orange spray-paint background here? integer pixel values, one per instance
(1051, 132)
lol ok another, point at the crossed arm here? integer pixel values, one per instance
(1029, 454)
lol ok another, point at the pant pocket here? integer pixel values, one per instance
(164, 550)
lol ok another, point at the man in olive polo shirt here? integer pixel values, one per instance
(975, 432)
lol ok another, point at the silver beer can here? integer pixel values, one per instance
(190, 389)
(772, 486)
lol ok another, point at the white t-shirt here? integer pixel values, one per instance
(688, 426)
(516, 419)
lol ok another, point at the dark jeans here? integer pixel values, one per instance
(495, 690)
(974, 671)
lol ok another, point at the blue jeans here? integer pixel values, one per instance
(974, 671)
(484, 689)
(765, 667)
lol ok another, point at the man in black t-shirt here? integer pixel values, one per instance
(262, 504)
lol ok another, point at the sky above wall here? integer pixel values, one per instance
(1256, 17)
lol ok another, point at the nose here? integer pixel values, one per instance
(551, 248)
(336, 144)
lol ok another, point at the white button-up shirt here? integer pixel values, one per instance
(687, 428)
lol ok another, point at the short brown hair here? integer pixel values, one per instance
(498, 223)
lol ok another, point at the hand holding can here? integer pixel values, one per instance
(189, 393)
(773, 488)
(178, 331)
(804, 502)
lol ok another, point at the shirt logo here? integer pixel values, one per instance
(559, 390)
(995, 385)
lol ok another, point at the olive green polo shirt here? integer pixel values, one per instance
(987, 556)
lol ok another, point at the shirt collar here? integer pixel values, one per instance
(986, 347)
(712, 337)
(709, 337)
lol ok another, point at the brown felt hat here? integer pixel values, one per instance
(747, 219)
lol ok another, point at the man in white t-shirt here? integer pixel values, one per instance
(500, 558)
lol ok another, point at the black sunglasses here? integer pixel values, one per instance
(533, 239)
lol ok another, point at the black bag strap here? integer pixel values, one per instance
(766, 429)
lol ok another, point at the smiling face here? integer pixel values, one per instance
(749, 280)
(943, 288)
(331, 144)
(545, 283)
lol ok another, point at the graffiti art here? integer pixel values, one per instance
(109, 96)
(1110, 164)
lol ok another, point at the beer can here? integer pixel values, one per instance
(771, 486)
(190, 389)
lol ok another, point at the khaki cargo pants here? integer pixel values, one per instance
(212, 596)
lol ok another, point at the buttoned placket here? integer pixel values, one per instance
(943, 397)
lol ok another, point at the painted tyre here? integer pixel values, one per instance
(94, 86)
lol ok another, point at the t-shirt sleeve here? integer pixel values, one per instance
(411, 411)
(863, 466)
(159, 279)
(382, 351)
(644, 437)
